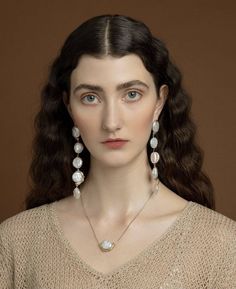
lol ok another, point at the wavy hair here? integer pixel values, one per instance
(180, 165)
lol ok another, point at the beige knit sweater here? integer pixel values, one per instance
(197, 251)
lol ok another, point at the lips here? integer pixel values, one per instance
(114, 140)
(115, 144)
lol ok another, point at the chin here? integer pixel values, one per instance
(113, 159)
(115, 163)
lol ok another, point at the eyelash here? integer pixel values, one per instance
(127, 93)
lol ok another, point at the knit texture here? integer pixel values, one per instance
(197, 251)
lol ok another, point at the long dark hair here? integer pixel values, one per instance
(180, 165)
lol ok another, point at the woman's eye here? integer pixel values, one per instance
(133, 94)
(90, 98)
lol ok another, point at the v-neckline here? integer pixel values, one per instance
(75, 255)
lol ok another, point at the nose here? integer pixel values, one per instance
(111, 117)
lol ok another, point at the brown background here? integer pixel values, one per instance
(200, 36)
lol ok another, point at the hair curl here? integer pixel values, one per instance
(180, 165)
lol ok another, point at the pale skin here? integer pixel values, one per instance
(119, 180)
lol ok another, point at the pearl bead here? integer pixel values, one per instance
(76, 193)
(77, 162)
(155, 173)
(155, 126)
(78, 177)
(78, 147)
(153, 142)
(155, 157)
(75, 132)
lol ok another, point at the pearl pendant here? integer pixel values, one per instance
(106, 245)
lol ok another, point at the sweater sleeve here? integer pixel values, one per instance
(6, 267)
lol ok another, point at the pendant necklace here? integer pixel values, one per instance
(107, 245)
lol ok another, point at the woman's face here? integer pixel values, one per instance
(114, 98)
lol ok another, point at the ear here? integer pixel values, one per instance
(163, 93)
(67, 103)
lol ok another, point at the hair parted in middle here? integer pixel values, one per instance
(180, 165)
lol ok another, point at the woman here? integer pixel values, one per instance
(119, 199)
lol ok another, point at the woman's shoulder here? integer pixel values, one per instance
(22, 223)
(213, 225)
(213, 216)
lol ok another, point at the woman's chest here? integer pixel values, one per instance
(128, 245)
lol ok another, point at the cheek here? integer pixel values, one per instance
(86, 122)
(87, 128)
(143, 122)
(143, 130)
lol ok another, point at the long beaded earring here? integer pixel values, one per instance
(154, 155)
(78, 176)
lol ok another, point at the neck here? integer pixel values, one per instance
(112, 192)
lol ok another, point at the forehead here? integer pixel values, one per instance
(110, 70)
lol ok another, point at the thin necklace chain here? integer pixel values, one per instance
(153, 191)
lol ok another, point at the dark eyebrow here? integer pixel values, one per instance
(118, 87)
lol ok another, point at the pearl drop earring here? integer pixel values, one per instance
(154, 155)
(78, 176)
